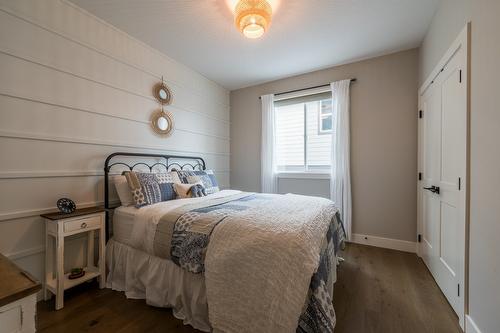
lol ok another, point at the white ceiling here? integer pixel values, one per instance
(305, 35)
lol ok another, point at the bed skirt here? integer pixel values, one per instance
(159, 281)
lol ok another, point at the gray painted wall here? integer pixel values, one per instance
(314, 187)
(383, 134)
(448, 21)
(484, 262)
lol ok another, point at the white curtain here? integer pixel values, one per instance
(269, 180)
(340, 180)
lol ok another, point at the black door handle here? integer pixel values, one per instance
(433, 189)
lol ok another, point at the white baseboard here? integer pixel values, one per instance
(387, 243)
(470, 325)
(25, 253)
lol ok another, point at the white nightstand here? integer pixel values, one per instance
(57, 227)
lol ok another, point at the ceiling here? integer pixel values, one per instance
(305, 35)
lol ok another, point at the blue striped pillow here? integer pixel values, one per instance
(207, 178)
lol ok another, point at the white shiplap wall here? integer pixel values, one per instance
(74, 89)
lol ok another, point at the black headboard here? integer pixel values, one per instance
(169, 162)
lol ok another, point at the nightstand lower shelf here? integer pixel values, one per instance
(90, 273)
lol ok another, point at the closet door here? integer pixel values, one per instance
(442, 162)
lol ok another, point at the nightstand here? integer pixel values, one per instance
(57, 227)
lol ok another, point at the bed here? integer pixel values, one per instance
(230, 261)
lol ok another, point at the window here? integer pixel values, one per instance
(301, 125)
(325, 117)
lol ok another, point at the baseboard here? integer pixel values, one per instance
(470, 325)
(387, 243)
(26, 252)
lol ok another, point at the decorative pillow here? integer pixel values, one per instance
(123, 191)
(207, 178)
(190, 190)
(150, 188)
(198, 190)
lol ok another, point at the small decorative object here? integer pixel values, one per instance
(76, 273)
(197, 190)
(66, 205)
(162, 93)
(252, 17)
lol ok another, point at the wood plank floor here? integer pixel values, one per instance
(378, 290)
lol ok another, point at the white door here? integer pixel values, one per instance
(442, 167)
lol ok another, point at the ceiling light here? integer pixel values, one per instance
(252, 17)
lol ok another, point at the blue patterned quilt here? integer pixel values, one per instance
(319, 315)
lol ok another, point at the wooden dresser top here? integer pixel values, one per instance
(15, 283)
(78, 212)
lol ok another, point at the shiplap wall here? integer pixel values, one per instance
(74, 89)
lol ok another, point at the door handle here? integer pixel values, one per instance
(433, 189)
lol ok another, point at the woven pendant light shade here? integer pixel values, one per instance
(252, 17)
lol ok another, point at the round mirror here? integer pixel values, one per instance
(162, 122)
(162, 93)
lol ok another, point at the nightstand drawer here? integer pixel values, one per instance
(81, 224)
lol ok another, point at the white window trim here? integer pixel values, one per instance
(303, 175)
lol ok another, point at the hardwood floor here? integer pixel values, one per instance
(378, 290)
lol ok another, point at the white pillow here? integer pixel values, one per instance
(123, 190)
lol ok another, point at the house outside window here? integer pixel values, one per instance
(325, 117)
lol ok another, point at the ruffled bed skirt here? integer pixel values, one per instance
(159, 281)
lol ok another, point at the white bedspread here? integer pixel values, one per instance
(258, 269)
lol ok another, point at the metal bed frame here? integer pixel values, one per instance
(197, 163)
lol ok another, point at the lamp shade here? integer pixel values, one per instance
(253, 17)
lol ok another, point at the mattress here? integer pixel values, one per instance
(123, 224)
(136, 227)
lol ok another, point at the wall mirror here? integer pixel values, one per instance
(162, 122)
(162, 93)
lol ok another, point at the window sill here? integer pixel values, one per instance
(303, 175)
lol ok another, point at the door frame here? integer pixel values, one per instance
(461, 42)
